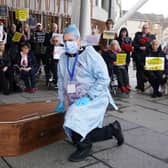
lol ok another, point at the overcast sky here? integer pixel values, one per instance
(151, 6)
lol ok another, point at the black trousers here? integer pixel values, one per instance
(122, 77)
(155, 79)
(96, 135)
(6, 84)
(140, 75)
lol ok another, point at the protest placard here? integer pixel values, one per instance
(17, 37)
(108, 35)
(22, 14)
(58, 51)
(121, 59)
(154, 63)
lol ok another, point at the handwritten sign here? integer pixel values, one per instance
(58, 51)
(108, 35)
(154, 63)
(121, 59)
(17, 37)
(93, 39)
(22, 14)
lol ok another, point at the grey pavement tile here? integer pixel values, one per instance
(51, 156)
(13, 98)
(127, 157)
(98, 165)
(144, 117)
(3, 164)
(126, 125)
(148, 141)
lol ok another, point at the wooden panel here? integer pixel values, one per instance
(25, 127)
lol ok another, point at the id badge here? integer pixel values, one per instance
(71, 88)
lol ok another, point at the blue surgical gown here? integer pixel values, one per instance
(91, 79)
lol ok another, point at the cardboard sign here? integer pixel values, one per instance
(93, 39)
(17, 37)
(108, 35)
(22, 14)
(121, 59)
(154, 63)
(58, 51)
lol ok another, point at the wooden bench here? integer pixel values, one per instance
(25, 127)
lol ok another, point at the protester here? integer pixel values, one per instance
(10, 35)
(104, 43)
(5, 71)
(27, 64)
(125, 43)
(38, 48)
(120, 70)
(47, 43)
(83, 81)
(141, 43)
(156, 77)
(54, 50)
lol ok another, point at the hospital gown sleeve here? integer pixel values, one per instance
(99, 72)
(60, 82)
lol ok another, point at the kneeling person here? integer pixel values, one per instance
(83, 81)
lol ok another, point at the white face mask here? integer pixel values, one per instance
(71, 47)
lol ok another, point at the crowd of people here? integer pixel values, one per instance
(37, 47)
(143, 46)
(24, 57)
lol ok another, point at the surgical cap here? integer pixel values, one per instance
(73, 30)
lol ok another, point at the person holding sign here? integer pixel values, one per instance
(155, 67)
(107, 36)
(141, 43)
(116, 61)
(54, 50)
(126, 44)
(83, 81)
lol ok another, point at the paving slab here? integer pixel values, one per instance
(126, 125)
(144, 117)
(148, 141)
(3, 164)
(99, 165)
(51, 156)
(127, 157)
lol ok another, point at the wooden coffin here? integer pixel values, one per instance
(25, 127)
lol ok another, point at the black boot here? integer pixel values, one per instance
(83, 151)
(117, 132)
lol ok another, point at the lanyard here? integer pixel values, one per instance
(71, 73)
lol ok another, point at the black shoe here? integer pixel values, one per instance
(117, 132)
(83, 151)
(159, 94)
(154, 95)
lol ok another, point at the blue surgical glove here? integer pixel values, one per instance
(60, 108)
(82, 101)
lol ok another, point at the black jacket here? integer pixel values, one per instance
(139, 55)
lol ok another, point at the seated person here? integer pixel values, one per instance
(5, 71)
(27, 65)
(110, 58)
(156, 77)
